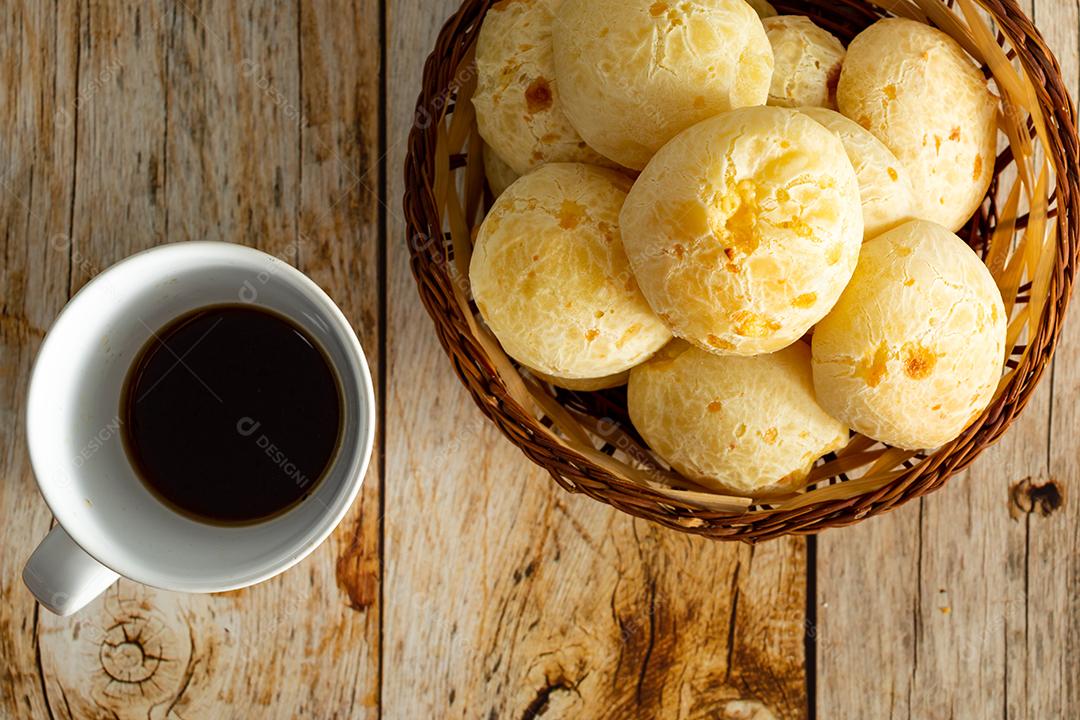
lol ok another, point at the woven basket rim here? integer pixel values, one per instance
(424, 222)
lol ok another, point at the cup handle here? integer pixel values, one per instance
(62, 576)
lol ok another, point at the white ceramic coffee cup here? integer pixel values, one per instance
(108, 523)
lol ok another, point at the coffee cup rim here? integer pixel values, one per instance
(358, 458)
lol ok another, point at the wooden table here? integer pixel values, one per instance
(464, 583)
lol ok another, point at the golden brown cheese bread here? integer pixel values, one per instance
(634, 73)
(916, 89)
(806, 62)
(884, 186)
(744, 229)
(551, 278)
(913, 351)
(518, 108)
(748, 426)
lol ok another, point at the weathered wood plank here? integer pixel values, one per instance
(338, 246)
(38, 94)
(1051, 656)
(127, 124)
(866, 607)
(212, 144)
(505, 597)
(118, 169)
(940, 594)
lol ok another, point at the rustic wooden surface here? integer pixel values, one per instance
(463, 584)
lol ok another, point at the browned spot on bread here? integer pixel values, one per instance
(592, 334)
(893, 175)
(751, 324)
(742, 223)
(658, 9)
(538, 97)
(873, 368)
(978, 167)
(770, 436)
(955, 134)
(919, 361)
(570, 214)
(699, 102)
(719, 343)
(715, 406)
(797, 226)
(805, 301)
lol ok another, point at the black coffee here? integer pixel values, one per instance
(231, 414)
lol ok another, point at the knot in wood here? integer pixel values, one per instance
(131, 651)
(1026, 497)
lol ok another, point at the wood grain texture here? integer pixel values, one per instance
(972, 611)
(241, 122)
(1049, 504)
(505, 597)
(38, 44)
(469, 586)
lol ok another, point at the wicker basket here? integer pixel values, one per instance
(1026, 231)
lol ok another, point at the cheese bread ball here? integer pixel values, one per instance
(917, 90)
(806, 62)
(551, 279)
(634, 73)
(748, 426)
(518, 109)
(744, 230)
(587, 385)
(762, 8)
(499, 175)
(884, 186)
(914, 350)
